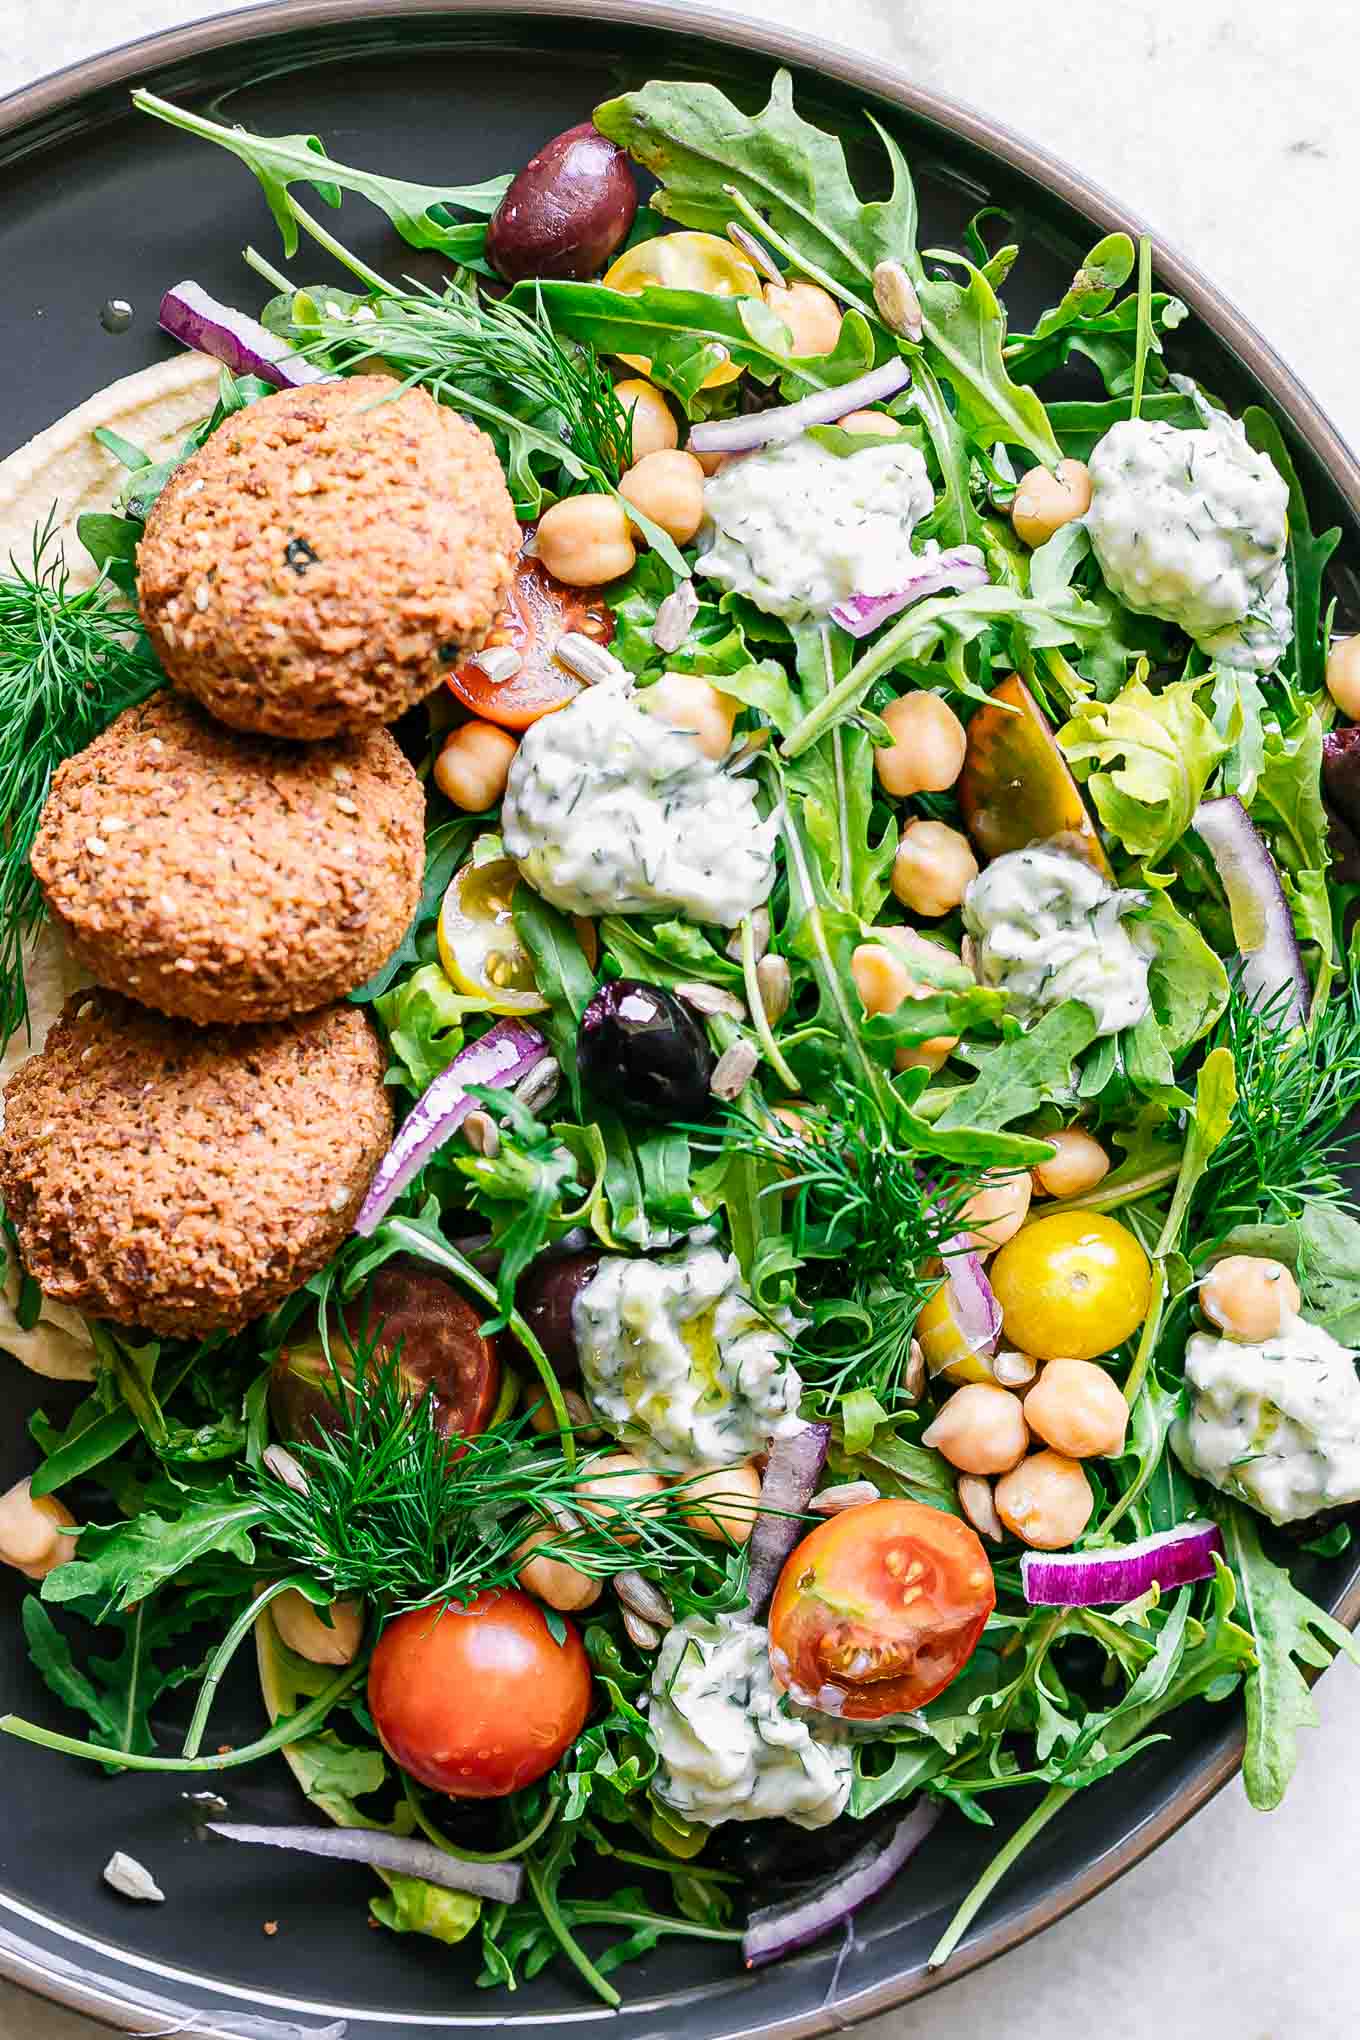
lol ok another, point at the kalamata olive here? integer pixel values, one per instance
(545, 1296)
(774, 1854)
(645, 1053)
(567, 211)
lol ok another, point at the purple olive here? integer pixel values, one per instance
(545, 1297)
(644, 1052)
(567, 211)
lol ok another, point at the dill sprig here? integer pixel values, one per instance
(70, 661)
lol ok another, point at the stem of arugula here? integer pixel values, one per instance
(764, 1032)
(225, 1652)
(441, 1840)
(566, 1941)
(1010, 1853)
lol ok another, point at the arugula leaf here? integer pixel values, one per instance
(423, 1018)
(1322, 1246)
(966, 327)
(1169, 749)
(837, 785)
(1288, 806)
(1080, 425)
(561, 973)
(1019, 1075)
(446, 845)
(1306, 658)
(1188, 982)
(666, 952)
(122, 1563)
(1104, 271)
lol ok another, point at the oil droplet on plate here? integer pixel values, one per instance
(115, 315)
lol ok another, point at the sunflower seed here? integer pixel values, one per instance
(895, 296)
(642, 1633)
(1014, 1370)
(675, 618)
(914, 1379)
(736, 1067)
(746, 754)
(541, 1085)
(979, 1506)
(588, 661)
(760, 936)
(755, 252)
(482, 1135)
(848, 1495)
(711, 999)
(647, 1602)
(284, 1467)
(130, 1877)
(499, 662)
(775, 981)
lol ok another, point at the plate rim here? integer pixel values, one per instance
(68, 1982)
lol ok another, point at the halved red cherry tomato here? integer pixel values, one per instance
(878, 1609)
(1016, 789)
(538, 611)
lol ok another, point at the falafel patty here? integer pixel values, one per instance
(223, 877)
(186, 1180)
(320, 563)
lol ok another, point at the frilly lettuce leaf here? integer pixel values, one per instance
(1149, 758)
(414, 1907)
(424, 1016)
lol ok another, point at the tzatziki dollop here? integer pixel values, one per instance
(729, 1749)
(678, 1364)
(1047, 927)
(1191, 525)
(610, 811)
(1277, 1425)
(799, 528)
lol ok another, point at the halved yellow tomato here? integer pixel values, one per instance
(479, 944)
(1016, 788)
(689, 261)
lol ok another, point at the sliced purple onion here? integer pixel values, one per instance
(778, 1929)
(404, 1857)
(794, 1468)
(973, 1307)
(1272, 968)
(241, 343)
(823, 407)
(961, 567)
(1095, 1579)
(504, 1054)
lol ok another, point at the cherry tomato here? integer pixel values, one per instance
(1071, 1286)
(479, 945)
(478, 1701)
(690, 261)
(945, 1343)
(878, 1609)
(538, 611)
(1015, 788)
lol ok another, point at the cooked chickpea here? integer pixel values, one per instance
(722, 1503)
(617, 1477)
(810, 313)
(1046, 1500)
(1076, 1408)
(305, 1630)
(1048, 498)
(473, 765)
(668, 487)
(869, 424)
(981, 1429)
(931, 1054)
(928, 745)
(654, 426)
(1343, 676)
(1248, 1297)
(713, 463)
(586, 541)
(34, 1531)
(996, 1212)
(1078, 1164)
(554, 1580)
(933, 868)
(883, 982)
(688, 703)
(543, 1417)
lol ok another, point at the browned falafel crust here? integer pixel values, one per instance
(223, 877)
(183, 1179)
(320, 563)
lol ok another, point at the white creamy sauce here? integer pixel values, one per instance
(678, 1364)
(1191, 525)
(1047, 927)
(729, 1748)
(798, 528)
(1278, 1424)
(609, 811)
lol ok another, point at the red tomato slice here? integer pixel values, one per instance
(538, 611)
(879, 1608)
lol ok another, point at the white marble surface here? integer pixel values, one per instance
(1232, 129)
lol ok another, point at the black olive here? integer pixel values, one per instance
(644, 1053)
(547, 1291)
(775, 1855)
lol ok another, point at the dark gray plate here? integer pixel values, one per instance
(98, 203)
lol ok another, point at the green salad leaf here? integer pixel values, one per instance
(1146, 759)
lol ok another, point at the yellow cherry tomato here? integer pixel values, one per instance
(1071, 1286)
(690, 261)
(944, 1343)
(479, 945)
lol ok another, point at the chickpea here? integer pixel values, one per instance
(688, 703)
(1076, 1408)
(869, 424)
(981, 1429)
(1248, 1297)
(543, 1417)
(927, 750)
(668, 487)
(713, 463)
(303, 1628)
(1048, 498)
(933, 868)
(586, 540)
(810, 313)
(554, 1580)
(473, 765)
(931, 1054)
(34, 1531)
(883, 982)
(617, 1477)
(1046, 1500)
(1343, 676)
(996, 1213)
(1079, 1163)
(654, 426)
(724, 1502)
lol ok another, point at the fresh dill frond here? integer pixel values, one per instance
(70, 661)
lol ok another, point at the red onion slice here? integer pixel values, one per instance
(502, 1882)
(823, 407)
(504, 1054)
(241, 343)
(1095, 1579)
(792, 1474)
(961, 567)
(1272, 968)
(778, 1929)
